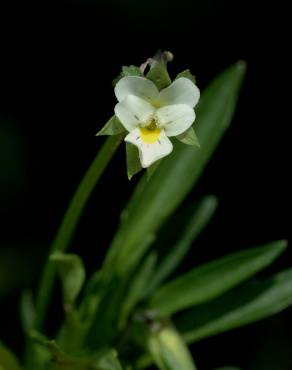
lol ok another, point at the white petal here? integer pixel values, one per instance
(150, 153)
(181, 91)
(175, 119)
(133, 111)
(134, 85)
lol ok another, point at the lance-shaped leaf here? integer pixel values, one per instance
(168, 350)
(241, 306)
(198, 217)
(27, 311)
(72, 272)
(137, 287)
(214, 278)
(8, 361)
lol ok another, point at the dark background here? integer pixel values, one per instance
(58, 59)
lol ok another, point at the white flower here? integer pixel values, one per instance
(151, 116)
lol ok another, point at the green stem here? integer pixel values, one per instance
(70, 220)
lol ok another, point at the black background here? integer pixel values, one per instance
(58, 59)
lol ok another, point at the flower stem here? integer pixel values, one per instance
(70, 220)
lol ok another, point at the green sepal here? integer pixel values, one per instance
(128, 71)
(72, 273)
(8, 360)
(189, 137)
(159, 75)
(112, 127)
(168, 350)
(152, 169)
(133, 160)
(187, 74)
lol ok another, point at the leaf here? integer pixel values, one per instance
(112, 127)
(159, 75)
(133, 160)
(136, 290)
(128, 71)
(187, 74)
(154, 201)
(168, 350)
(189, 137)
(8, 360)
(72, 272)
(241, 306)
(27, 311)
(200, 215)
(208, 281)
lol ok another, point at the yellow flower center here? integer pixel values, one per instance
(150, 134)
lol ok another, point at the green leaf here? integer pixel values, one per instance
(168, 350)
(241, 306)
(200, 215)
(112, 127)
(187, 74)
(8, 360)
(155, 200)
(138, 285)
(128, 71)
(72, 272)
(27, 311)
(133, 160)
(189, 137)
(208, 281)
(159, 75)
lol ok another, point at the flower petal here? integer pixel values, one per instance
(134, 85)
(181, 91)
(133, 111)
(175, 119)
(150, 153)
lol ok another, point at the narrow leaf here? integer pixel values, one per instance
(72, 272)
(214, 278)
(112, 127)
(27, 311)
(241, 306)
(189, 137)
(168, 350)
(133, 160)
(136, 290)
(199, 218)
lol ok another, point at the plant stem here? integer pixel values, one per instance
(70, 221)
